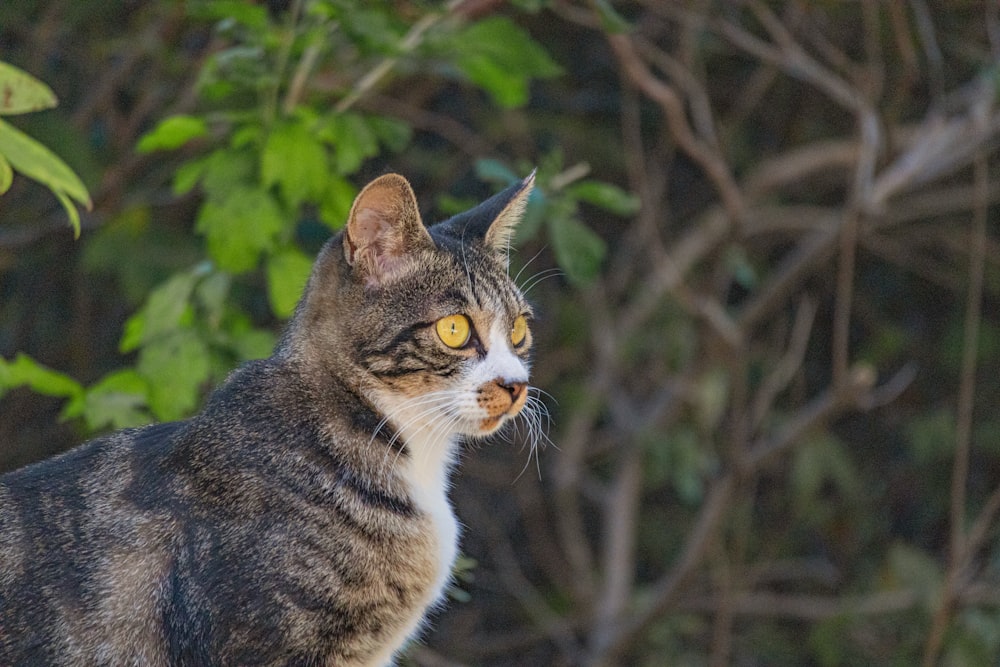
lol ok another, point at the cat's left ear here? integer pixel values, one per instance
(515, 201)
(492, 223)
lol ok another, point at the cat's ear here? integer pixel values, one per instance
(502, 227)
(492, 222)
(383, 227)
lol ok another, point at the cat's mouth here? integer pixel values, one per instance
(502, 400)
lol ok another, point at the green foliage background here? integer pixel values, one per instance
(223, 142)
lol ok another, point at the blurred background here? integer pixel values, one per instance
(764, 248)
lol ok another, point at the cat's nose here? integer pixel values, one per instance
(515, 389)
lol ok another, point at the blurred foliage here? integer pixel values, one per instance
(270, 160)
(224, 140)
(19, 93)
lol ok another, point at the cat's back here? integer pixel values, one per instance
(77, 560)
(254, 533)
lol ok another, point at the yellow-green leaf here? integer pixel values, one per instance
(25, 371)
(6, 175)
(20, 92)
(287, 273)
(37, 162)
(71, 212)
(171, 133)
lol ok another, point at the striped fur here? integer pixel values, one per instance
(302, 517)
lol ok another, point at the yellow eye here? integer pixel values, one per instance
(454, 330)
(519, 331)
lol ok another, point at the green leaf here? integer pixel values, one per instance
(71, 212)
(578, 250)
(212, 293)
(336, 203)
(166, 309)
(294, 160)
(287, 273)
(6, 175)
(172, 132)
(394, 134)
(738, 263)
(239, 227)
(25, 371)
(711, 398)
(225, 171)
(821, 463)
(502, 58)
(188, 175)
(355, 142)
(20, 92)
(117, 401)
(607, 196)
(37, 162)
(252, 343)
(237, 11)
(531, 221)
(911, 568)
(174, 368)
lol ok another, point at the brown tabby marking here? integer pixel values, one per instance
(302, 517)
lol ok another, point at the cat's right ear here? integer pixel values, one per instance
(383, 227)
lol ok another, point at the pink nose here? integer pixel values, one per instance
(515, 389)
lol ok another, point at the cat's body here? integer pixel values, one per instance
(302, 518)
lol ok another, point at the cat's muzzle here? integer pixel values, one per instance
(501, 399)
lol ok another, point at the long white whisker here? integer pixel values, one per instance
(542, 392)
(539, 278)
(428, 403)
(441, 428)
(434, 397)
(465, 261)
(537, 420)
(527, 264)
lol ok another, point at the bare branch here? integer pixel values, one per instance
(714, 165)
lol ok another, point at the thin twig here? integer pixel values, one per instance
(666, 591)
(409, 42)
(714, 165)
(959, 547)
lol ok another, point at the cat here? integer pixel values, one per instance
(302, 517)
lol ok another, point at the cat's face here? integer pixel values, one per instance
(429, 320)
(453, 344)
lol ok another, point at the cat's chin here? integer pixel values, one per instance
(490, 425)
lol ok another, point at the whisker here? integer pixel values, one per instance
(542, 392)
(528, 263)
(536, 420)
(429, 404)
(539, 278)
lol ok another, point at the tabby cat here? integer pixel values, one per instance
(302, 518)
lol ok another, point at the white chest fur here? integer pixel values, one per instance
(426, 472)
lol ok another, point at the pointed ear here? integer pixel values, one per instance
(492, 222)
(383, 227)
(502, 227)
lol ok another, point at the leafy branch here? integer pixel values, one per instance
(22, 93)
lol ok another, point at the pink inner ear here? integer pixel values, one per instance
(370, 227)
(375, 244)
(383, 227)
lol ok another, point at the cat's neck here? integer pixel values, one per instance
(432, 447)
(430, 443)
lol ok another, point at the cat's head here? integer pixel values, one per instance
(425, 322)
